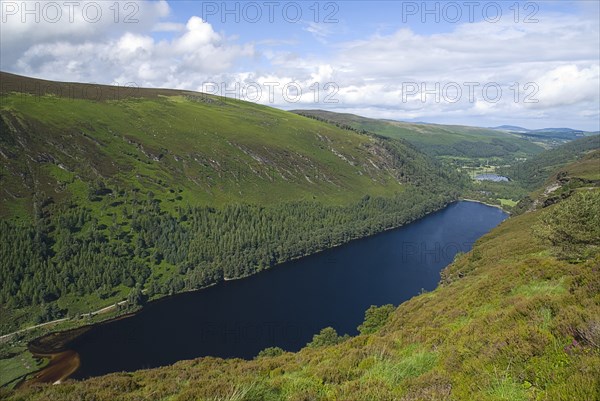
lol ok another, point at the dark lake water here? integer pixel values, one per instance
(286, 305)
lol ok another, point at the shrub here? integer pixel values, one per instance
(270, 352)
(327, 336)
(375, 318)
(572, 227)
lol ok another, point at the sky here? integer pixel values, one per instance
(481, 63)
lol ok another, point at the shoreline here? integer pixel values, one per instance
(66, 361)
(106, 309)
(485, 203)
(62, 365)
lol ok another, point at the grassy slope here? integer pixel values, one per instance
(435, 138)
(18, 365)
(209, 153)
(509, 322)
(588, 168)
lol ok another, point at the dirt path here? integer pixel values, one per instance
(6, 336)
(99, 311)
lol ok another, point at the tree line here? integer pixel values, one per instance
(69, 251)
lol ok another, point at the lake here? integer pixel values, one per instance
(491, 177)
(286, 305)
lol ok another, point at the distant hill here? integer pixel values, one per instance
(565, 134)
(436, 139)
(533, 172)
(509, 128)
(555, 130)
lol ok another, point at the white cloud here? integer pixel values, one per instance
(555, 62)
(184, 61)
(321, 31)
(199, 34)
(116, 48)
(168, 27)
(568, 85)
(87, 21)
(560, 54)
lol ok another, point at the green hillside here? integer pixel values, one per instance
(449, 141)
(533, 172)
(543, 172)
(204, 149)
(108, 195)
(511, 320)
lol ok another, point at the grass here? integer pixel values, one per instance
(507, 202)
(17, 366)
(393, 371)
(588, 168)
(541, 288)
(508, 389)
(209, 154)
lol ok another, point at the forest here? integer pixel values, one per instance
(67, 250)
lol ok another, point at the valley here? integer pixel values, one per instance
(108, 204)
(516, 300)
(299, 201)
(95, 210)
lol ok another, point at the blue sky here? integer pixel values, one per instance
(356, 19)
(343, 21)
(417, 61)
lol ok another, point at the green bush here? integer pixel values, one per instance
(270, 352)
(327, 336)
(572, 227)
(375, 317)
